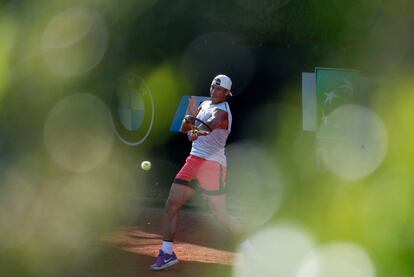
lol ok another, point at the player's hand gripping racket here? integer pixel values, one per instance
(191, 120)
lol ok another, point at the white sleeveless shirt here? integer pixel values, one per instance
(211, 147)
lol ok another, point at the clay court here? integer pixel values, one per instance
(203, 247)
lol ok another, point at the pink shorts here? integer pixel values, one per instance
(209, 175)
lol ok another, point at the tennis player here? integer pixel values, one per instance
(206, 164)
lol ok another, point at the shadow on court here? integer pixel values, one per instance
(203, 247)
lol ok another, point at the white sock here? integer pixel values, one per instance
(167, 247)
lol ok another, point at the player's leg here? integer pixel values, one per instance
(218, 207)
(212, 176)
(180, 192)
(179, 195)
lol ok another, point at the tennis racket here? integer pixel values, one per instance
(191, 120)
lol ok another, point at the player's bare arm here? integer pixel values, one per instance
(218, 120)
(192, 107)
(201, 130)
(193, 111)
(185, 127)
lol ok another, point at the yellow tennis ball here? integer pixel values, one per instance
(146, 165)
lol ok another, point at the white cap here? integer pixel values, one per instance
(222, 81)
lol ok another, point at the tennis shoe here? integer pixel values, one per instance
(164, 260)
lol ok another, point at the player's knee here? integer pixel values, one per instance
(172, 205)
(217, 212)
(220, 218)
